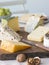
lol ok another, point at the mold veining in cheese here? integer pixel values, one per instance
(7, 33)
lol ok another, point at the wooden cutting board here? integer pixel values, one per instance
(34, 51)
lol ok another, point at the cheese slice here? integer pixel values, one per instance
(13, 24)
(13, 46)
(33, 23)
(38, 34)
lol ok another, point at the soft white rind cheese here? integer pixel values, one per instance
(33, 21)
(46, 42)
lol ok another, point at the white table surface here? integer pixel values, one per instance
(44, 61)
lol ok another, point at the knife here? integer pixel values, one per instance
(37, 45)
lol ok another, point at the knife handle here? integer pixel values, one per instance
(42, 47)
(28, 42)
(37, 45)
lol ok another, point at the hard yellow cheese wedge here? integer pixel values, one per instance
(13, 23)
(13, 46)
(38, 34)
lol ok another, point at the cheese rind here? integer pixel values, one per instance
(13, 46)
(38, 34)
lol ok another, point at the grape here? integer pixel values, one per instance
(4, 12)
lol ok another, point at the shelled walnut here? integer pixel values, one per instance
(30, 61)
(37, 60)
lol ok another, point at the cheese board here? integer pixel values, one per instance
(37, 49)
(40, 50)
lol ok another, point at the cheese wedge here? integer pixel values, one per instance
(13, 46)
(7, 33)
(13, 24)
(33, 23)
(38, 34)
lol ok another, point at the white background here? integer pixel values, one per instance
(34, 6)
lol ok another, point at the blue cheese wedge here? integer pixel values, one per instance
(7, 33)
